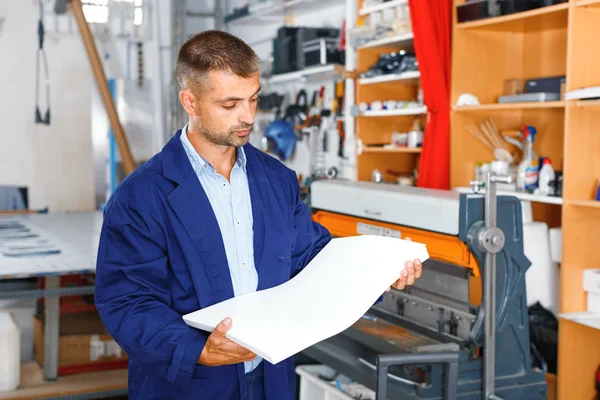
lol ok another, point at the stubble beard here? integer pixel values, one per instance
(229, 138)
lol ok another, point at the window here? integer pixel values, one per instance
(95, 11)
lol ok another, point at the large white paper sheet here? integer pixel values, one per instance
(334, 290)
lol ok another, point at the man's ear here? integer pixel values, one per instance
(188, 101)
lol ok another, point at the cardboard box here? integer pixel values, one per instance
(514, 86)
(83, 344)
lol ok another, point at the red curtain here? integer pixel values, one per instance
(432, 24)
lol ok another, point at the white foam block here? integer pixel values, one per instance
(542, 277)
(335, 289)
(556, 244)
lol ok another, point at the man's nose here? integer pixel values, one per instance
(247, 114)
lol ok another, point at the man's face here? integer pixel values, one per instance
(224, 112)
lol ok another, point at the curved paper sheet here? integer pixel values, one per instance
(334, 290)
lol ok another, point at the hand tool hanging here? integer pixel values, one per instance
(41, 54)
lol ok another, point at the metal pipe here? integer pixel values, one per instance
(489, 294)
(100, 77)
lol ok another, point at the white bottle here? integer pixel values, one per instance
(545, 177)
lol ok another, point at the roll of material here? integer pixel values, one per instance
(556, 245)
(542, 277)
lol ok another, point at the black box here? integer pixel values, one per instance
(473, 10)
(549, 84)
(290, 42)
(514, 6)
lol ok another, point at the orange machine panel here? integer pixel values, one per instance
(440, 247)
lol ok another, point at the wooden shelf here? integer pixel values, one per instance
(588, 3)
(587, 103)
(585, 203)
(377, 149)
(411, 77)
(586, 318)
(329, 70)
(381, 7)
(511, 106)
(33, 385)
(521, 196)
(402, 39)
(397, 112)
(550, 17)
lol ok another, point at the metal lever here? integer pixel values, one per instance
(491, 240)
(448, 358)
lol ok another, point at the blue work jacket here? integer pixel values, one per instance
(161, 256)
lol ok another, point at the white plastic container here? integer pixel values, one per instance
(545, 177)
(10, 361)
(312, 387)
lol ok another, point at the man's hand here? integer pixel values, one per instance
(219, 350)
(412, 271)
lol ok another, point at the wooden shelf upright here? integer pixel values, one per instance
(556, 40)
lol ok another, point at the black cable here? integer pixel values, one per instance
(41, 53)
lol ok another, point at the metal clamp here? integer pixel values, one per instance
(490, 239)
(389, 360)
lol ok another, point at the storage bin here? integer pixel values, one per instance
(315, 384)
(10, 348)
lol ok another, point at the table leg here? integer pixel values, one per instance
(51, 318)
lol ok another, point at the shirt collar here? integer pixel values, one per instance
(198, 162)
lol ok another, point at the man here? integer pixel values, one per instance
(208, 218)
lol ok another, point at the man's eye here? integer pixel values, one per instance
(254, 100)
(229, 107)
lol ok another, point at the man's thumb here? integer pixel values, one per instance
(223, 326)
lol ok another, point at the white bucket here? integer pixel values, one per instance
(10, 361)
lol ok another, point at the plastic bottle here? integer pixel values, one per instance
(546, 176)
(527, 173)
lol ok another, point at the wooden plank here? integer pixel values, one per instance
(511, 106)
(551, 17)
(33, 385)
(578, 359)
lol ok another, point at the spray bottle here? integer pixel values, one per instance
(527, 173)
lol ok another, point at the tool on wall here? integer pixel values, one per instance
(41, 57)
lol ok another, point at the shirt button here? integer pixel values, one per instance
(244, 264)
(238, 222)
(224, 184)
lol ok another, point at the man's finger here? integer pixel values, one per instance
(399, 284)
(222, 328)
(418, 268)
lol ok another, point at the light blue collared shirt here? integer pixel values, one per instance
(231, 203)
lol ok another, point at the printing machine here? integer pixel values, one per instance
(438, 339)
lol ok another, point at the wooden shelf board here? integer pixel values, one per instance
(550, 17)
(403, 38)
(374, 149)
(588, 3)
(381, 7)
(511, 106)
(585, 203)
(411, 77)
(521, 196)
(587, 103)
(586, 318)
(33, 385)
(395, 113)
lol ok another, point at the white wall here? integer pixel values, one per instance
(55, 162)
